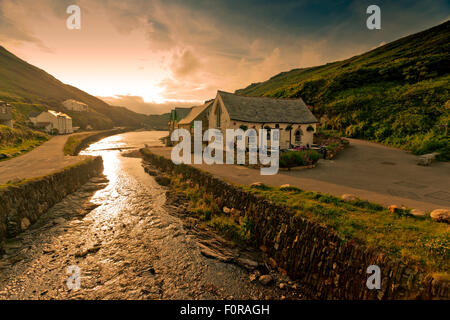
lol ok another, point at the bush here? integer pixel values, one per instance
(298, 158)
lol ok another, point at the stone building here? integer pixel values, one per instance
(74, 105)
(292, 117)
(52, 121)
(6, 114)
(176, 115)
(198, 113)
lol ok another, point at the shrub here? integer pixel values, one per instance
(298, 158)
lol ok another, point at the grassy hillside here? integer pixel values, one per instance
(20, 139)
(159, 121)
(397, 94)
(28, 89)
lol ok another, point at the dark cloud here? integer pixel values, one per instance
(10, 31)
(200, 46)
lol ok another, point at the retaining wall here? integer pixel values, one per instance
(84, 143)
(22, 204)
(327, 267)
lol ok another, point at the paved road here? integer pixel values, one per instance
(371, 171)
(45, 159)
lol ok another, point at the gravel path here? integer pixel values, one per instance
(45, 159)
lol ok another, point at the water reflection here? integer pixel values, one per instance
(117, 168)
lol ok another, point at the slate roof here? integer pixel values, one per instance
(197, 113)
(179, 113)
(42, 124)
(75, 101)
(266, 110)
(59, 114)
(34, 114)
(55, 113)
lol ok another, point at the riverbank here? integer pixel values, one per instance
(369, 171)
(131, 240)
(78, 142)
(329, 266)
(22, 202)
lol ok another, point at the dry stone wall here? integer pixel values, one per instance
(21, 205)
(327, 267)
(96, 137)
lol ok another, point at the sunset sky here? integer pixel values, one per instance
(153, 53)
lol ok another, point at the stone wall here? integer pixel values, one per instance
(22, 204)
(327, 267)
(84, 143)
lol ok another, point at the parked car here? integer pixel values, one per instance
(320, 149)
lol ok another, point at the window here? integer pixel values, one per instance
(298, 136)
(268, 132)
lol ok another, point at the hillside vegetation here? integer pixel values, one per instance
(28, 89)
(18, 140)
(397, 94)
(400, 235)
(159, 121)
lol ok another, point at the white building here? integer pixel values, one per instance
(292, 117)
(74, 105)
(51, 120)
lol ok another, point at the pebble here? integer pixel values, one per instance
(265, 279)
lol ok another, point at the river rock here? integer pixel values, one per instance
(265, 279)
(440, 215)
(235, 212)
(100, 180)
(151, 172)
(59, 220)
(163, 181)
(349, 197)
(256, 184)
(273, 263)
(247, 263)
(226, 210)
(417, 213)
(24, 224)
(395, 208)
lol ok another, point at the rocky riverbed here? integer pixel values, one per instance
(131, 238)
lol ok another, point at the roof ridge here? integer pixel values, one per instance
(263, 97)
(267, 109)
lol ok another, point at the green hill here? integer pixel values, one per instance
(397, 94)
(159, 121)
(28, 88)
